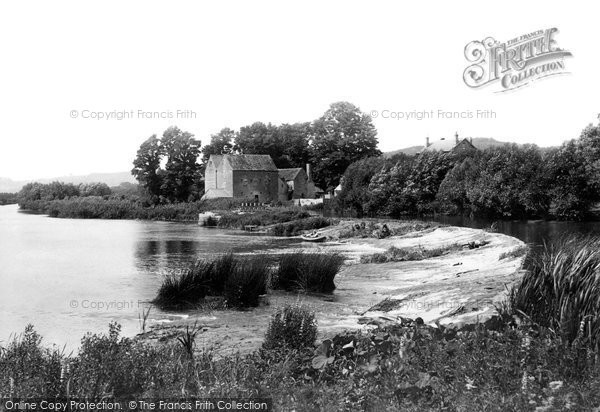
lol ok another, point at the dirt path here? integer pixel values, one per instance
(461, 286)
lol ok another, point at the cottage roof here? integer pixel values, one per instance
(444, 145)
(289, 174)
(250, 162)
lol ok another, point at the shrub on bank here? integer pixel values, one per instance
(373, 229)
(292, 327)
(8, 198)
(261, 218)
(240, 281)
(394, 254)
(27, 369)
(134, 207)
(298, 226)
(308, 271)
(94, 207)
(561, 288)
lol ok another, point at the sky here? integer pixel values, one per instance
(232, 63)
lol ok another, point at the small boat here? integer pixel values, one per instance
(314, 237)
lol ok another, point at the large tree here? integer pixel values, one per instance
(146, 166)
(294, 139)
(182, 176)
(286, 144)
(260, 138)
(341, 136)
(357, 177)
(220, 143)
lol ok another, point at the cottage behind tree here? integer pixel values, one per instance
(450, 145)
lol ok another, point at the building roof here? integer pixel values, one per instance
(444, 145)
(289, 174)
(250, 162)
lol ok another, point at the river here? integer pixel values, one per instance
(532, 232)
(72, 276)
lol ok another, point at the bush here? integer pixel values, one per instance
(394, 254)
(29, 370)
(561, 288)
(95, 207)
(8, 198)
(261, 218)
(308, 271)
(240, 281)
(296, 227)
(291, 327)
(210, 221)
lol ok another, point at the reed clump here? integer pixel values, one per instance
(561, 288)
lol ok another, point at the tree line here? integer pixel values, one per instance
(60, 190)
(511, 181)
(168, 169)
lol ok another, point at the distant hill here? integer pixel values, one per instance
(481, 143)
(413, 150)
(111, 179)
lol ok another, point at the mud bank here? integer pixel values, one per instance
(461, 286)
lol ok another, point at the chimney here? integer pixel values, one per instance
(456, 137)
(308, 171)
(471, 139)
(427, 142)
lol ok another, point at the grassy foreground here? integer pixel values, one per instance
(408, 366)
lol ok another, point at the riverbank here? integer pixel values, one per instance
(457, 287)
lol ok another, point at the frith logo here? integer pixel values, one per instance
(514, 63)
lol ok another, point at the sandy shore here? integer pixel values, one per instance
(461, 286)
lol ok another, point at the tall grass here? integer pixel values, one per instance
(240, 281)
(187, 289)
(308, 271)
(561, 288)
(247, 282)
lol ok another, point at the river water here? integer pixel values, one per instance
(72, 276)
(532, 232)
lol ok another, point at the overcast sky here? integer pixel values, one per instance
(234, 63)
